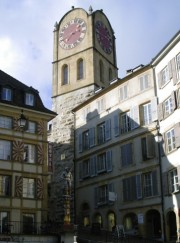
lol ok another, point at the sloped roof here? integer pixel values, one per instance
(19, 90)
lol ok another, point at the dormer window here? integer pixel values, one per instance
(29, 99)
(6, 94)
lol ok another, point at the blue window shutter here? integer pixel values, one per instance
(109, 160)
(116, 125)
(138, 187)
(108, 129)
(92, 136)
(93, 166)
(80, 142)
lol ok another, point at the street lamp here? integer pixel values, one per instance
(158, 139)
(22, 120)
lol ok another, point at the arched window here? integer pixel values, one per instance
(110, 74)
(80, 69)
(65, 74)
(101, 70)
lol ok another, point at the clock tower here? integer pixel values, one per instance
(84, 59)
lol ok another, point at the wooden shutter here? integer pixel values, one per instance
(170, 69)
(134, 115)
(150, 146)
(116, 125)
(154, 181)
(154, 109)
(173, 100)
(93, 166)
(165, 183)
(40, 154)
(109, 160)
(159, 79)
(174, 71)
(177, 134)
(39, 188)
(178, 172)
(160, 112)
(80, 142)
(125, 189)
(17, 150)
(92, 136)
(138, 186)
(108, 129)
(178, 97)
(18, 186)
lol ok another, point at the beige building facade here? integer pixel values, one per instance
(23, 160)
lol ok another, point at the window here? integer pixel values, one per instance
(147, 144)
(65, 74)
(132, 188)
(165, 76)
(104, 131)
(101, 105)
(104, 162)
(150, 184)
(29, 99)
(29, 153)
(5, 122)
(126, 154)
(168, 106)
(4, 218)
(102, 194)
(28, 223)
(144, 82)
(125, 122)
(88, 168)
(101, 70)
(6, 94)
(80, 69)
(31, 127)
(170, 140)
(5, 150)
(173, 180)
(123, 92)
(146, 114)
(5, 185)
(28, 188)
(86, 140)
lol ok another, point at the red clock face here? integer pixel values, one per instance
(72, 33)
(103, 36)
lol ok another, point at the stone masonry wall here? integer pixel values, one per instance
(62, 137)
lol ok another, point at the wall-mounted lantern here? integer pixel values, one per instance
(22, 120)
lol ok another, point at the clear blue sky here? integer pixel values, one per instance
(142, 28)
